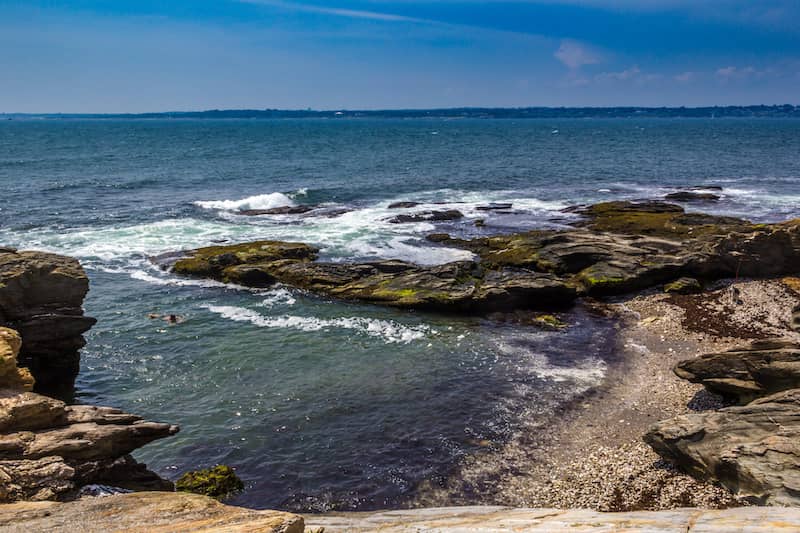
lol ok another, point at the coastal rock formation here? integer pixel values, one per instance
(619, 247)
(753, 450)
(144, 511)
(762, 368)
(41, 296)
(49, 449)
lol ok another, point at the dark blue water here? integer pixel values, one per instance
(322, 404)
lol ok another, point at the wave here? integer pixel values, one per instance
(261, 201)
(391, 332)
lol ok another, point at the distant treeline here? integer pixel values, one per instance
(464, 112)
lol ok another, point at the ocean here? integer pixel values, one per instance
(328, 405)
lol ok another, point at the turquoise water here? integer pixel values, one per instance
(322, 404)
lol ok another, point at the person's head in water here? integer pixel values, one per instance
(172, 318)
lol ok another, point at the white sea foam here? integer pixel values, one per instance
(142, 275)
(261, 201)
(389, 331)
(279, 296)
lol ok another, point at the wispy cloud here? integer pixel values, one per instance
(339, 12)
(575, 54)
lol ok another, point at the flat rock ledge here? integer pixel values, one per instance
(619, 247)
(144, 511)
(504, 519)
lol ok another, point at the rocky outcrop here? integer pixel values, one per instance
(690, 196)
(762, 368)
(684, 286)
(620, 247)
(49, 449)
(41, 296)
(144, 511)
(753, 450)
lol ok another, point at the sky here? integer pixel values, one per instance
(114, 56)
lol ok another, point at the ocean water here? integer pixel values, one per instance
(321, 404)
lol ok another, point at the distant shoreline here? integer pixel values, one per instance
(754, 111)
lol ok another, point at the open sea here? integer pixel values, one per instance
(320, 404)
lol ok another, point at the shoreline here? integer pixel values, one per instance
(591, 455)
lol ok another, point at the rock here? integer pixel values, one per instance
(689, 196)
(49, 449)
(11, 376)
(763, 368)
(403, 205)
(144, 511)
(753, 450)
(218, 482)
(705, 188)
(495, 207)
(284, 210)
(479, 223)
(683, 286)
(428, 216)
(41, 296)
(796, 319)
(620, 247)
(501, 519)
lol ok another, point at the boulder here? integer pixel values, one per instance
(764, 367)
(498, 206)
(428, 216)
(753, 450)
(41, 296)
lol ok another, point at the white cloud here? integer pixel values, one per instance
(339, 12)
(575, 54)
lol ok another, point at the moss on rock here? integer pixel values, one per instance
(218, 482)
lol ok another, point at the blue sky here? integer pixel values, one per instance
(150, 55)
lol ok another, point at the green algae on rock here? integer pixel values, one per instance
(218, 482)
(684, 286)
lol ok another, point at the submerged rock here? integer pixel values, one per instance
(284, 210)
(764, 367)
(689, 196)
(218, 482)
(41, 296)
(753, 450)
(495, 207)
(403, 205)
(428, 216)
(144, 511)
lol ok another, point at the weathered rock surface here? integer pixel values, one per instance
(144, 511)
(753, 450)
(504, 519)
(762, 368)
(621, 247)
(48, 449)
(41, 296)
